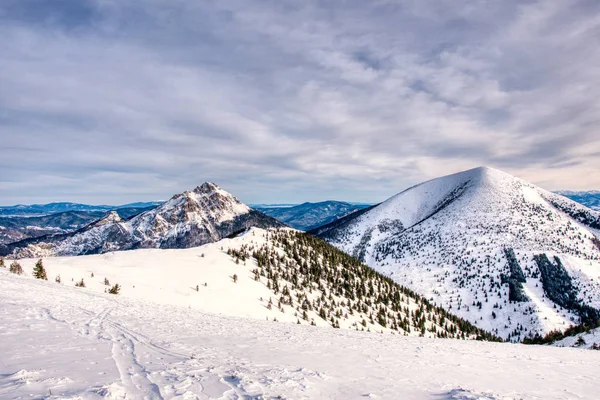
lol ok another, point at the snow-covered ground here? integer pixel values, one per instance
(58, 341)
(171, 276)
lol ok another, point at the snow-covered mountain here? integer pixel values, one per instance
(307, 216)
(509, 256)
(590, 199)
(204, 215)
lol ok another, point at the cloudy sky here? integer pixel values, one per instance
(112, 101)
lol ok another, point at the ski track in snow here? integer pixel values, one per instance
(134, 377)
(62, 342)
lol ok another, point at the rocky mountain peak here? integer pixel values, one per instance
(110, 218)
(207, 188)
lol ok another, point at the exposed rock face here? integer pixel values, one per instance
(193, 218)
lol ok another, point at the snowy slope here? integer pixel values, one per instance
(62, 342)
(204, 215)
(448, 240)
(281, 275)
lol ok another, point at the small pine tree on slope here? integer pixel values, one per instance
(39, 272)
(115, 289)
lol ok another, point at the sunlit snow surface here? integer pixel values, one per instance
(58, 341)
(75, 343)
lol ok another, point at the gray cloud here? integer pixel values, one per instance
(111, 101)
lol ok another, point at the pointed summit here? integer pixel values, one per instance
(484, 169)
(207, 187)
(112, 216)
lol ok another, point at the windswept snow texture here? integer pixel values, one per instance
(204, 215)
(447, 240)
(63, 342)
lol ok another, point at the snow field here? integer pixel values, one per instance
(62, 342)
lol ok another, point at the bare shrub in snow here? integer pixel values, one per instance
(16, 268)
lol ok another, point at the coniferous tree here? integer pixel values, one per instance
(81, 283)
(115, 289)
(2, 263)
(39, 272)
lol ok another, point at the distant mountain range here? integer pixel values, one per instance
(17, 228)
(53, 208)
(589, 199)
(18, 222)
(512, 258)
(309, 216)
(204, 215)
(22, 222)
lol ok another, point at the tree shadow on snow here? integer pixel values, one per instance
(462, 394)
